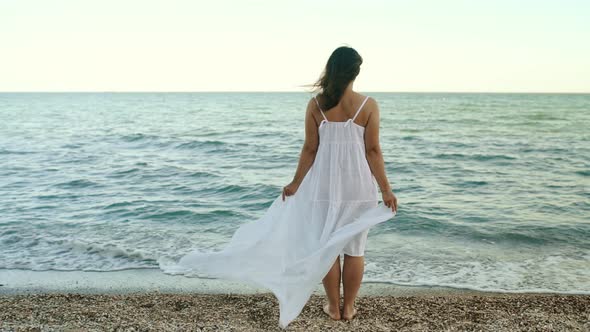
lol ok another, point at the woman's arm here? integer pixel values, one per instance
(308, 152)
(375, 157)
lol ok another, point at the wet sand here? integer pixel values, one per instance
(155, 311)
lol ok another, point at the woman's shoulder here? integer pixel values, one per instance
(370, 104)
(313, 103)
(368, 109)
(361, 97)
(313, 108)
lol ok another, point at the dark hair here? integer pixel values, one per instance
(342, 67)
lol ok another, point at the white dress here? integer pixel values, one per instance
(294, 244)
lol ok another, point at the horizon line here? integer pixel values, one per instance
(290, 91)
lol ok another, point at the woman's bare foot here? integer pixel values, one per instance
(334, 314)
(348, 314)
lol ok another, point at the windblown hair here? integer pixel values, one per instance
(343, 66)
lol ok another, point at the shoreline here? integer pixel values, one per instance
(145, 280)
(154, 301)
(23, 282)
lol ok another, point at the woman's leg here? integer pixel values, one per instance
(352, 275)
(332, 286)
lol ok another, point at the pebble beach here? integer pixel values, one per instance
(259, 312)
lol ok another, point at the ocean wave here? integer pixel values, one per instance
(192, 215)
(56, 197)
(212, 145)
(72, 146)
(74, 255)
(485, 267)
(200, 144)
(138, 137)
(224, 189)
(119, 205)
(108, 250)
(75, 184)
(126, 171)
(6, 151)
(462, 183)
(474, 230)
(203, 174)
(9, 238)
(477, 157)
(559, 234)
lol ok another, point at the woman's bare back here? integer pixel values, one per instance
(346, 108)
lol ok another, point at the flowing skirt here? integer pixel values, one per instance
(286, 251)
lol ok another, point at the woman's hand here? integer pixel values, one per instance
(390, 200)
(290, 189)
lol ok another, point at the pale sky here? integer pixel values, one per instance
(279, 45)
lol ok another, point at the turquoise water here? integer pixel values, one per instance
(494, 189)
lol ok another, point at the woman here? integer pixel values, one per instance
(326, 210)
(335, 105)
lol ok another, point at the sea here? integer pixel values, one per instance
(493, 188)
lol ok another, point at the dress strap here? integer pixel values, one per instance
(318, 103)
(360, 108)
